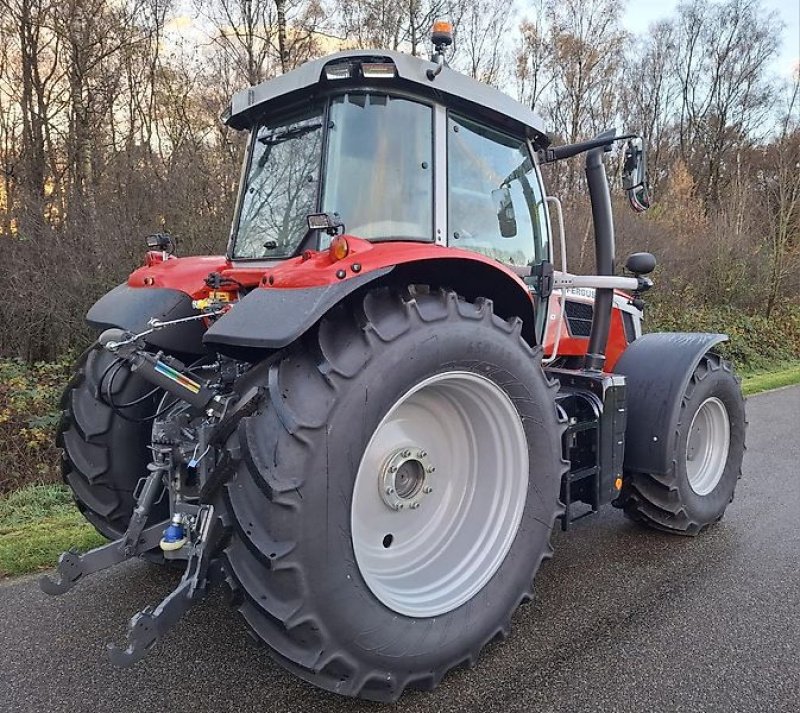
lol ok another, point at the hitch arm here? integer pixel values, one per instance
(73, 566)
(149, 625)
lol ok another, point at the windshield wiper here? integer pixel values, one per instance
(518, 172)
(279, 136)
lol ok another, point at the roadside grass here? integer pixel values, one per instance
(37, 523)
(756, 382)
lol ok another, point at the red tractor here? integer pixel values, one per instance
(366, 418)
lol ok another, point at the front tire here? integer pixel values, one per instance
(706, 463)
(439, 401)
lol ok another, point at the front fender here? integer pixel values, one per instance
(657, 368)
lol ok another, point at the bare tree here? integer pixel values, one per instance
(480, 46)
(721, 56)
(782, 192)
(650, 92)
(534, 57)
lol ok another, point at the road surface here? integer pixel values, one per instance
(624, 620)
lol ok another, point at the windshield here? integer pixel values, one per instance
(379, 175)
(281, 188)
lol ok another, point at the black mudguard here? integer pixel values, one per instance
(271, 318)
(131, 308)
(657, 368)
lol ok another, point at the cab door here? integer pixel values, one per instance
(495, 200)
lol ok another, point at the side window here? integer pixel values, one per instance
(495, 201)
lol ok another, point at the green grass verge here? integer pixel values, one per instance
(37, 523)
(763, 381)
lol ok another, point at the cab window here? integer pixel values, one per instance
(495, 201)
(379, 175)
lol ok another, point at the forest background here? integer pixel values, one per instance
(110, 130)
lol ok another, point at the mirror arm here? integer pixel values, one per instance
(604, 141)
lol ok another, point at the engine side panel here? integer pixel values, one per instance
(577, 322)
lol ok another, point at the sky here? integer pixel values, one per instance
(640, 13)
(638, 16)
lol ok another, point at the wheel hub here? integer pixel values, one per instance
(707, 446)
(404, 478)
(422, 560)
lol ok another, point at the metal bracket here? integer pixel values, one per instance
(73, 566)
(129, 543)
(149, 625)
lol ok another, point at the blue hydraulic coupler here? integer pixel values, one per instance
(174, 536)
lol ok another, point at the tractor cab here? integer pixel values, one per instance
(394, 155)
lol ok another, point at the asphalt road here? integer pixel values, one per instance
(624, 620)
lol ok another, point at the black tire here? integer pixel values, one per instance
(290, 554)
(104, 455)
(668, 502)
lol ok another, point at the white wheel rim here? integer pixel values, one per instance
(707, 446)
(460, 455)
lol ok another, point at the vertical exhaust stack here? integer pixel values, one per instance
(603, 221)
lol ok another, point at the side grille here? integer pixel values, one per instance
(630, 330)
(579, 318)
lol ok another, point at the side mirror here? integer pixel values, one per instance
(640, 263)
(163, 242)
(504, 207)
(634, 175)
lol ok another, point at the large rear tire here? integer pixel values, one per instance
(707, 462)
(395, 495)
(103, 454)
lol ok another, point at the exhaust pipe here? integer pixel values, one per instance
(603, 221)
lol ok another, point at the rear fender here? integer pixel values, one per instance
(162, 289)
(296, 294)
(131, 308)
(657, 369)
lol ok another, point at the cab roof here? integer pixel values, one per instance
(454, 90)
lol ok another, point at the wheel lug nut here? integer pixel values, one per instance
(421, 454)
(400, 506)
(393, 469)
(427, 490)
(389, 491)
(431, 469)
(414, 506)
(406, 454)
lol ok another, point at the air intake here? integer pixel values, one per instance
(579, 318)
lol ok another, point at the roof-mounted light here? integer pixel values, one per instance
(442, 38)
(378, 70)
(343, 70)
(442, 34)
